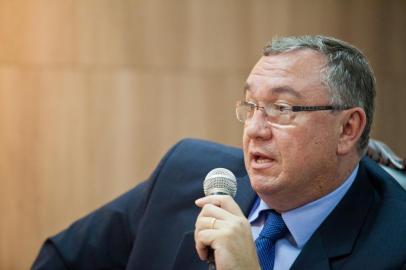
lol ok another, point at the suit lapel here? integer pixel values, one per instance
(313, 255)
(337, 235)
(187, 257)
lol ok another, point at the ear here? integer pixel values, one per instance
(352, 125)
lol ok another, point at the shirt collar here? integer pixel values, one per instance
(303, 221)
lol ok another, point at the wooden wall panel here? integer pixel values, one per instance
(38, 31)
(92, 93)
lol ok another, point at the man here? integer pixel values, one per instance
(310, 200)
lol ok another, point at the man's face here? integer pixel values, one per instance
(295, 163)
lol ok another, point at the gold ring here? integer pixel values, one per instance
(213, 221)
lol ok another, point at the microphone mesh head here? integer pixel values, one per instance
(220, 181)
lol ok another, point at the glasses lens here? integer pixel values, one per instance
(274, 114)
(279, 114)
(242, 111)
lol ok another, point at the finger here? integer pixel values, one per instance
(202, 251)
(203, 240)
(212, 199)
(223, 201)
(213, 211)
(205, 223)
(201, 247)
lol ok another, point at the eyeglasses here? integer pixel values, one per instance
(281, 114)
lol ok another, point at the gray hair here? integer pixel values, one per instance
(349, 77)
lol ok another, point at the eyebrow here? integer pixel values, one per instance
(279, 90)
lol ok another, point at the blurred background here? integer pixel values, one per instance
(93, 92)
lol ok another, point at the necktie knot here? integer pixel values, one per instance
(274, 227)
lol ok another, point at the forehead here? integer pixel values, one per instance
(297, 73)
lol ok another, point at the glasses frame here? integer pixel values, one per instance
(291, 108)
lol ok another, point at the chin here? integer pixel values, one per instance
(262, 184)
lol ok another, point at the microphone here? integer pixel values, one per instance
(219, 181)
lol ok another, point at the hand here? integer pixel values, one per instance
(229, 236)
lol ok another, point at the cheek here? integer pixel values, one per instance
(245, 142)
(312, 144)
(300, 144)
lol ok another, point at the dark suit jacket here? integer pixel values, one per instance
(151, 226)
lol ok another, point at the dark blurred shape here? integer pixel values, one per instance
(382, 154)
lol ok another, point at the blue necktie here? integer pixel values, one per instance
(274, 229)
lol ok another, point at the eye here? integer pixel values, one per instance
(249, 109)
(283, 108)
(250, 106)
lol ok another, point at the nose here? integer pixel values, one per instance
(258, 127)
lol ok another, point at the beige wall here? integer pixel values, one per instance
(93, 92)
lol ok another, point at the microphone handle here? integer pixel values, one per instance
(210, 261)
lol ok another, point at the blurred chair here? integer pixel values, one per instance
(388, 160)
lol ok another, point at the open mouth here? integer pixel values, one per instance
(261, 161)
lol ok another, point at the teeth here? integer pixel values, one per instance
(262, 160)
